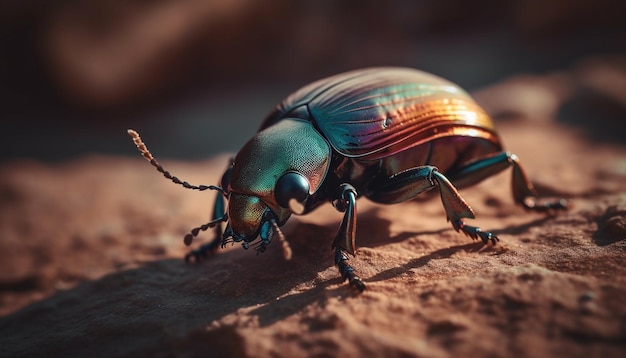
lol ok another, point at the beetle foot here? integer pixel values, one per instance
(355, 281)
(347, 272)
(202, 252)
(475, 232)
(262, 246)
(531, 203)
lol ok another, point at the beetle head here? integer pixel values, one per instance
(247, 213)
(272, 177)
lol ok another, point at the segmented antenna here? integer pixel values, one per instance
(194, 232)
(283, 241)
(141, 146)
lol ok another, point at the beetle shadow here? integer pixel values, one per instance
(518, 229)
(422, 261)
(166, 296)
(609, 230)
(139, 302)
(374, 229)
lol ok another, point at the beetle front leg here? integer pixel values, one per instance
(346, 271)
(344, 241)
(408, 184)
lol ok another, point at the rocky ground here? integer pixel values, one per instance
(91, 264)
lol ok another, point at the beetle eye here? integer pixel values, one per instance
(292, 190)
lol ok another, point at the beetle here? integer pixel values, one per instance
(387, 134)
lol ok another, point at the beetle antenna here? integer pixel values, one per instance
(283, 241)
(194, 232)
(143, 149)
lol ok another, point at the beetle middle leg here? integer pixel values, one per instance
(523, 191)
(408, 184)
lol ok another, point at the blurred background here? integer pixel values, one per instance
(196, 77)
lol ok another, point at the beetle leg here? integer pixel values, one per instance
(523, 191)
(346, 203)
(265, 234)
(203, 251)
(403, 186)
(347, 272)
(475, 232)
(408, 184)
(457, 209)
(344, 240)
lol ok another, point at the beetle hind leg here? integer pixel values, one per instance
(523, 191)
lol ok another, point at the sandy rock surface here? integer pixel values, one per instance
(91, 264)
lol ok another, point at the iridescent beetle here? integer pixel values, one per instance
(387, 134)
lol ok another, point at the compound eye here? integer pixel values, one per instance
(291, 191)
